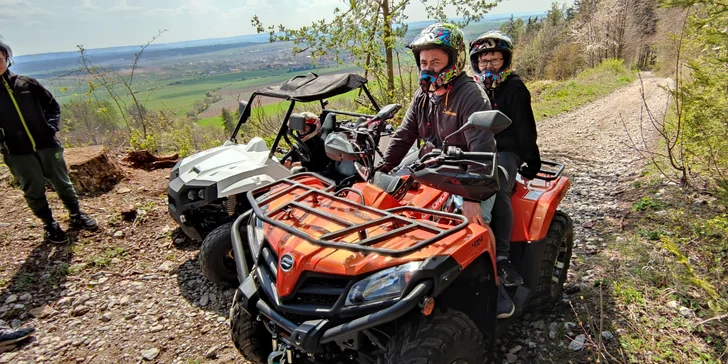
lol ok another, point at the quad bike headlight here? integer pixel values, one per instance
(389, 283)
(196, 194)
(258, 237)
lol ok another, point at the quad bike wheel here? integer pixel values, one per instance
(249, 335)
(555, 265)
(216, 259)
(446, 337)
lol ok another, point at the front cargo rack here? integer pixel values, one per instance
(282, 191)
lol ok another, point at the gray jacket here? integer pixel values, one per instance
(432, 121)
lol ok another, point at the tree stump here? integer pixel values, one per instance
(92, 170)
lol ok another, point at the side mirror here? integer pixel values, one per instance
(243, 110)
(297, 122)
(493, 120)
(388, 111)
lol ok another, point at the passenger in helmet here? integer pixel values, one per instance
(311, 136)
(491, 56)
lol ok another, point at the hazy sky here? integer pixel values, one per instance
(41, 26)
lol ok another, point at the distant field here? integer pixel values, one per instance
(176, 83)
(179, 94)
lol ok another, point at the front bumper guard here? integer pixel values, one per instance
(310, 335)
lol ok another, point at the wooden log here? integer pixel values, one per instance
(92, 170)
(144, 160)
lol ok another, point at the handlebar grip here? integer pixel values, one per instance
(477, 156)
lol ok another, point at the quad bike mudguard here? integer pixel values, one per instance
(534, 204)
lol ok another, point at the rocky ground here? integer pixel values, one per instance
(133, 292)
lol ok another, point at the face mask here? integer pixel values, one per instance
(427, 79)
(488, 78)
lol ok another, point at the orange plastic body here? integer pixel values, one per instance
(464, 246)
(534, 205)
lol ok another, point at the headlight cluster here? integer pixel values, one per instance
(256, 239)
(389, 283)
(198, 194)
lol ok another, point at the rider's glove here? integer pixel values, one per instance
(531, 169)
(383, 168)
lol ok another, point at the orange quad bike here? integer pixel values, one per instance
(382, 272)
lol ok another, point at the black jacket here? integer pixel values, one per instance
(40, 115)
(433, 121)
(513, 99)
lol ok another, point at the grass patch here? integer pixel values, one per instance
(215, 121)
(647, 203)
(104, 259)
(551, 98)
(668, 284)
(25, 280)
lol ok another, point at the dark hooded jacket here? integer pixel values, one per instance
(433, 120)
(513, 99)
(29, 115)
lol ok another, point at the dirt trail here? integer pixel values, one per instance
(594, 143)
(134, 290)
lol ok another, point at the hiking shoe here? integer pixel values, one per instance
(83, 221)
(508, 274)
(54, 234)
(9, 336)
(506, 308)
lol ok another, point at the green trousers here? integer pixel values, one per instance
(32, 170)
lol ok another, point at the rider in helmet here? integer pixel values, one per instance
(491, 56)
(445, 100)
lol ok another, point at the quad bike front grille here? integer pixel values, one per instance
(315, 299)
(321, 291)
(298, 319)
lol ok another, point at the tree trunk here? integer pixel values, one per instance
(92, 170)
(388, 45)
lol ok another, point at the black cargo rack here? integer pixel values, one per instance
(393, 216)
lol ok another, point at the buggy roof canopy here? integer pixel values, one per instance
(313, 87)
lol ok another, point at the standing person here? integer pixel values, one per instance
(491, 56)
(29, 120)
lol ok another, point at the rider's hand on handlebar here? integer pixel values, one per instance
(473, 212)
(382, 168)
(531, 169)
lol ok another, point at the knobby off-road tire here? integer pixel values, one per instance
(555, 265)
(445, 337)
(216, 258)
(249, 335)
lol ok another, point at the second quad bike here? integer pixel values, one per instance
(372, 274)
(208, 189)
(216, 257)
